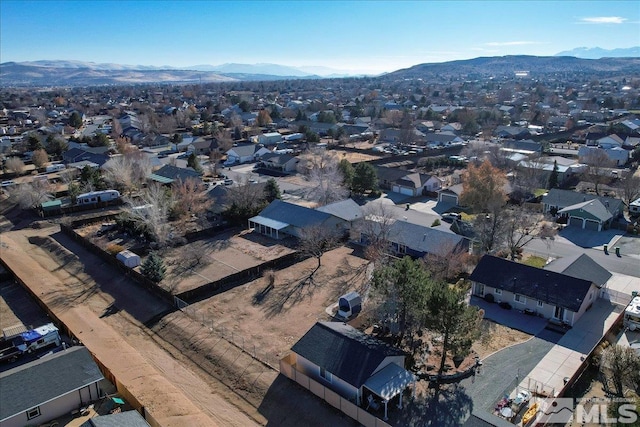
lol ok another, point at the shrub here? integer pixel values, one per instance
(489, 298)
(114, 249)
(435, 223)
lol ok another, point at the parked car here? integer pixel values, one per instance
(451, 216)
(8, 183)
(228, 182)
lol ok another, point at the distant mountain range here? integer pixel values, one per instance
(78, 73)
(509, 65)
(597, 53)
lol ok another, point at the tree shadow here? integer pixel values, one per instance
(281, 298)
(443, 406)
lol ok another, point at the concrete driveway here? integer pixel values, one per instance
(587, 238)
(514, 319)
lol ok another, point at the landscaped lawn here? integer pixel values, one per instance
(534, 261)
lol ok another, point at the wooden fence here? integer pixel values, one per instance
(136, 276)
(288, 369)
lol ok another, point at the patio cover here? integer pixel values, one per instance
(390, 381)
(268, 222)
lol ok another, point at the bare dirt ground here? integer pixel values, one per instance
(226, 385)
(496, 337)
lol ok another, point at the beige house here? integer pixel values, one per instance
(556, 296)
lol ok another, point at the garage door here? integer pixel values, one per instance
(402, 190)
(446, 198)
(591, 225)
(575, 221)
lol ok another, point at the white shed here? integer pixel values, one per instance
(129, 258)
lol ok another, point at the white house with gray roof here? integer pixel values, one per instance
(48, 388)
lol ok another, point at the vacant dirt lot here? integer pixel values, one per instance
(274, 320)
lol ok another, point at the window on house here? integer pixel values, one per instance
(33, 413)
(519, 298)
(326, 375)
(540, 304)
(498, 291)
(402, 249)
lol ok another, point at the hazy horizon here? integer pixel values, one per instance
(357, 37)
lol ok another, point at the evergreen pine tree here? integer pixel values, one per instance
(553, 177)
(153, 268)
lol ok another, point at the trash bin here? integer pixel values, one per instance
(606, 249)
(617, 251)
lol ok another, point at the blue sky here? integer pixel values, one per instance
(361, 36)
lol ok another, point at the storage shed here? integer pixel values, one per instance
(349, 305)
(129, 258)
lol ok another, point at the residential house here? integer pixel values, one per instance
(347, 210)
(203, 146)
(634, 207)
(351, 363)
(533, 290)
(415, 240)
(617, 155)
(282, 219)
(587, 211)
(75, 155)
(442, 139)
(417, 184)
(169, 174)
(280, 162)
(47, 388)
(388, 176)
(451, 195)
(512, 132)
(246, 153)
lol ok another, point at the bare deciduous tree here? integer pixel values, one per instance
(375, 229)
(40, 158)
(127, 172)
(596, 171)
(629, 188)
(315, 241)
(150, 213)
(448, 263)
(15, 165)
(189, 200)
(522, 226)
(321, 169)
(33, 194)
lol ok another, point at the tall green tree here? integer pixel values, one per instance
(75, 120)
(348, 171)
(404, 284)
(364, 178)
(153, 268)
(449, 315)
(272, 190)
(34, 143)
(194, 163)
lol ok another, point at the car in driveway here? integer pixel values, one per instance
(451, 216)
(228, 181)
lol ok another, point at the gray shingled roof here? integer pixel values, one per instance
(582, 267)
(564, 198)
(347, 210)
(594, 208)
(289, 213)
(544, 285)
(423, 239)
(41, 381)
(344, 351)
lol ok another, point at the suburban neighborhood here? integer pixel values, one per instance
(409, 249)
